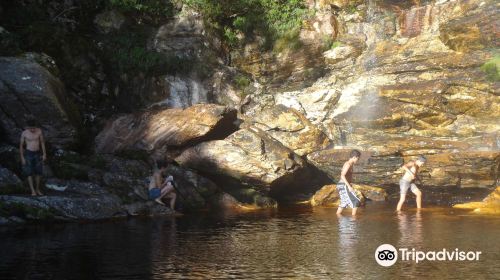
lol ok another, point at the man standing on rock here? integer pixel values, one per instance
(407, 182)
(346, 192)
(31, 157)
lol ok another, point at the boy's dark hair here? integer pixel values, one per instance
(422, 159)
(355, 153)
(31, 123)
(161, 164)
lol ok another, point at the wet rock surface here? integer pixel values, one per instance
(489, 205)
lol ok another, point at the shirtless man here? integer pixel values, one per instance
(31, 157)
(407, 182)
(346, 192)
(159, 188)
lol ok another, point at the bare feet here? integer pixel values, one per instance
(160, 202)
(33, 194)
(39, 192)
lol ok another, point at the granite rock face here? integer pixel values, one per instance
(249, 155)
(291, 128)
(406, 80)
(28, 90)
(169, 127)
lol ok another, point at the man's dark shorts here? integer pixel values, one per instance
(34, 163)
(154, 193)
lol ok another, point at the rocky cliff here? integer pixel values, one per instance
(245, 118)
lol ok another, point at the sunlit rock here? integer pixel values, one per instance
(291, 128)
(328, 195)
(249, 155)
(339, 53)
(170, 127)
(489, 205)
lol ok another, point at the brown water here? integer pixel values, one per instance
(298, 243)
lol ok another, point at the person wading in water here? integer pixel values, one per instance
(407, 182)
(346, 192)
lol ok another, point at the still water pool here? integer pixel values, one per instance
(289, 243)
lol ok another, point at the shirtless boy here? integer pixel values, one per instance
(159, 188)
(407, 182)
(31, 157)
(346, 192)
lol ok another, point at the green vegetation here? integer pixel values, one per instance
(269, 19)
(351, 9)
(25, 211)
(97, 161)
(326, 42)
(288, 41)
(242, 81)
(492, 68)
(150, 7)
(13, 189)
(335, 44)
(128, 53)
(75, 166)
(9, 43)
(150, 11)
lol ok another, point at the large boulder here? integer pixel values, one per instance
(194, 191)
(489, 205)
(249, 155)
(291, 128)
(63, 207)
(170, 127)
(9, 182)
(328, 195)
(29, 90)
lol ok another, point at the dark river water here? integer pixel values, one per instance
(289, 243)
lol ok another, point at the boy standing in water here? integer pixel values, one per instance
(31, 157)
(346, 192)
(407, 182)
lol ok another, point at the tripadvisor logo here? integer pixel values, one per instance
(387, 255)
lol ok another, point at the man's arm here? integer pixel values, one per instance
(345, 169)
(42, 142)
(21, 149)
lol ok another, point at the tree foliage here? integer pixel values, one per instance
(270, 19)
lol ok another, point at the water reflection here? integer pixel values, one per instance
(348, 241)
(283, 243)
(410, 229)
